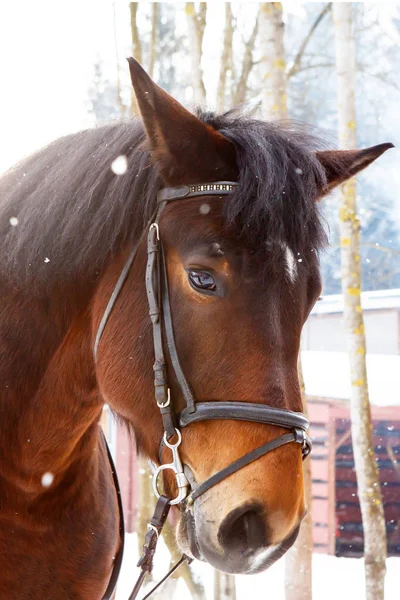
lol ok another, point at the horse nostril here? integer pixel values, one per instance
(243, 530)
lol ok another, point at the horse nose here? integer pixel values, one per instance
(243, 530)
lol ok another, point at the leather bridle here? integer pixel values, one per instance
(161, 319)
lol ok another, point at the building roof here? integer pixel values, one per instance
(327, 375)
(369, 300)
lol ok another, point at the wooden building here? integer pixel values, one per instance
(337, 524)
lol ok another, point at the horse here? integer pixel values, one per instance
(242, 264)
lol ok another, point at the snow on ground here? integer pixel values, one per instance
(333, 578)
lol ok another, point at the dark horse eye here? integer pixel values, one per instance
(202, 280)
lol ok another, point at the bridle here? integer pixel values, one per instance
(193, 412)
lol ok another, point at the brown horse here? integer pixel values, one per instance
(243, 276)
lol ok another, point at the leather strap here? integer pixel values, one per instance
(112, 584)
(217, 188)
(169, 332)
(150, 542)
(244, 411)
(240, 463)
(114, 296)
(153, 289)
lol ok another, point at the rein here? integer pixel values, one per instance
(161, 317)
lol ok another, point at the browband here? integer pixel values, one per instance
(217, 188)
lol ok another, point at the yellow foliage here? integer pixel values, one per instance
(279, 63)
(359, 330)
(190, 9)
(353, 291)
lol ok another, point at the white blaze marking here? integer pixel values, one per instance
(291, 268)
(119, 165)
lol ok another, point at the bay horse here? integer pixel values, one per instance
(243, 274)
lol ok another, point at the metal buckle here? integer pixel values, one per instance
(176, 467)
(156, 227)
(167, 403)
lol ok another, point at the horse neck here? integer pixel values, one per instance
(50, 402)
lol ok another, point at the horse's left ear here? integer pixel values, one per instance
(340, 165)
(185, 149)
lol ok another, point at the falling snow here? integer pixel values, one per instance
(14, 221)
(47, 479)
(119, 166)
(204, 209)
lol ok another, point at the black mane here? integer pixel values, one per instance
(74, 213)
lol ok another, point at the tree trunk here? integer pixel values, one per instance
(298, 561)
(196, 24)
(226, 58)
(274, 99)
(361, 428)
(195, 588)
(240, 93)
(119, 95)
(146, 503)
(153, 41)
(136, 48)
(224, 586)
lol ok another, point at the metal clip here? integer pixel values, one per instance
(176, 467)
(156, 227)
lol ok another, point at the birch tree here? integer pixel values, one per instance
(361, 428)
(196, 21)
(273, 64)
(136, 48)
(226, 58)
(224, 586)
(298, 562)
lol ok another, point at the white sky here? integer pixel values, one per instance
(47, 50)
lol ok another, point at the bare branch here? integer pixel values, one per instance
(247, 65)
(295, 67)
(226, 58)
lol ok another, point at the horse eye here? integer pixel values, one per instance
(202, 280)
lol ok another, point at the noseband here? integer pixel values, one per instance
(193, 412)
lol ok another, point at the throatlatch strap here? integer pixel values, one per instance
(112, 584)
(242, 462)
(114, 296)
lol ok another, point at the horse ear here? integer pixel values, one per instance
(185, 149)
(340, 165)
